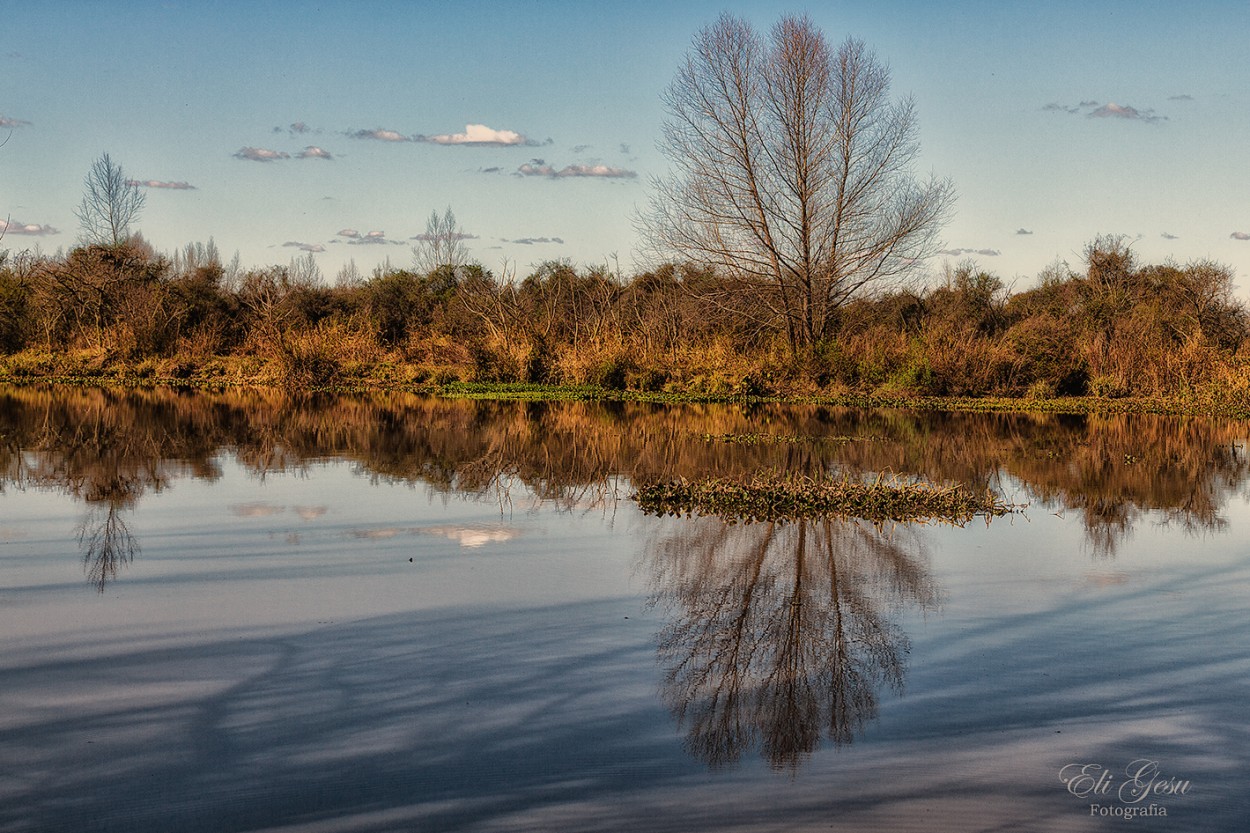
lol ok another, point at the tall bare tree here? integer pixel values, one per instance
(111, 203)
(442, 244)
(792, 173)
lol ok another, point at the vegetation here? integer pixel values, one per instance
(109, 447)
(1118, 331)
(778, 497)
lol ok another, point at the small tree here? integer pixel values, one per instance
(110, 204)
(441, 245)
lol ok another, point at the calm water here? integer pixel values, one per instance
(244, 612)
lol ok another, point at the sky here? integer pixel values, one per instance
(282, 128)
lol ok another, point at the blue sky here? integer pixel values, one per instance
(338, 127)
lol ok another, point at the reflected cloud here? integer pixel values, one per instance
(378, 534)
(310, 513)
(256, 510)
(1105, 578)
(472, 537)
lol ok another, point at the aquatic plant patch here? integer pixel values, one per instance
(777, 497)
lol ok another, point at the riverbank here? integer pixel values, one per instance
(96, 368)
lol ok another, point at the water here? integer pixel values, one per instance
(246, 612)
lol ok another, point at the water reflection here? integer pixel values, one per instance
(781, 634)
(108, 448)
(106, 543)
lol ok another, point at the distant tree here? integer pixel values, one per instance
(110, 205)
(442, 244)
(791, 174)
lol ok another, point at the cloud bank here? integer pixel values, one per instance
(369, 238)
(156, 183)
(539, 167)
(982, 252)
(459, 235)
(260, 154)
(380, 134)
(531, 241)
(32, 229)
(1109, 110)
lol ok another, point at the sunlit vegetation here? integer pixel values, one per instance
(778, 497)
(1117, 332)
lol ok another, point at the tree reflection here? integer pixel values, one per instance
(781, 634)
(1111, 470)
(106, 543)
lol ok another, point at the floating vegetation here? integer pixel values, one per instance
(755, 438)
(779, 498)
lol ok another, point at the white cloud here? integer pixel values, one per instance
(1240, 235)
(982, 252)
(477, 134)
(1167, 236)
(6, 121)
(381, 135)
(315, 248)
(369, 238)
(156, 183)
(605, 171)
(539, 167)
(32, 229)
(1111, 110)
(260, 154)
(530, 241)
(1024, 231)
(536, 167)
(314, 152)
(460, 235)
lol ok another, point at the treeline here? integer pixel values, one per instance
(1116, 329)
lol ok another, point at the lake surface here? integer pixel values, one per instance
(250, 612)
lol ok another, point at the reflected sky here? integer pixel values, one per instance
(310, 629)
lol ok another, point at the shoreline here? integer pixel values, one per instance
(127, 379)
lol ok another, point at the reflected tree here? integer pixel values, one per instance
(106, 543)
(781, 634)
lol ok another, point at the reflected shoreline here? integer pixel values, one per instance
(107, 448)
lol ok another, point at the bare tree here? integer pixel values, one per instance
(792, 173)
(110, 204)
(442, 244)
